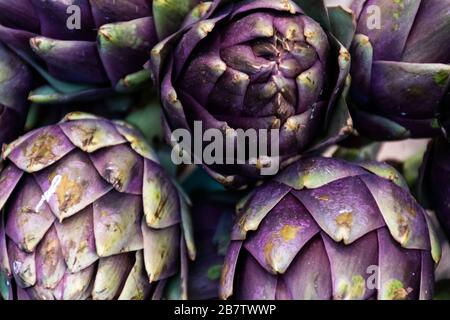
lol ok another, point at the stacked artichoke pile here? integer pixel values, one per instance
(92, 208)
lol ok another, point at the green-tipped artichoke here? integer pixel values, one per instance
(400, 67)
(329, 229)
(88, 48)
(87, 212)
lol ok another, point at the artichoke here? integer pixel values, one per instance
(85, 47)
(400, 67)
(329, 229)
(15, 83)
(263, 65)
(434, 183)
(88, 212)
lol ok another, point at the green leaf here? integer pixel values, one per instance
(214, 272)
(4, 286)
(170, 14)
(148, 120)
(51, 95)
(134, 81)
(391, 130)
(343, 25)
(60, 86)
(340, 122)
(45, 94)
(199, 181)
(442, 291)
(368, 152)
(316, 9)
(411, 168)
(173, 289)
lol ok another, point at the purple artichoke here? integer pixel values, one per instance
(15, 84)
(89, 213)
(92, 45)
(329, 229)
(256, 65)
(400, 67)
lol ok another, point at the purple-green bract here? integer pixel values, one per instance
(88, 212)
(328, 229)
(15, 84)
(400, 68)
(96, 44)
(256, 65)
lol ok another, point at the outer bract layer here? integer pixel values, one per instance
(400, 67)
(15, 83)
(87, 212)
(327, 229)
(91, 44)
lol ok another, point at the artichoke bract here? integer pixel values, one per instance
(88, 212)
(83, 47)
(15, 83)
(435, 183)
(329, 229)
(400, 68)
(262, 65)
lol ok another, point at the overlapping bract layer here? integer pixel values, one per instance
(88, 212)
(255, 65)
(401, 68)
(94, 43)
(328, 229)
(15, 83)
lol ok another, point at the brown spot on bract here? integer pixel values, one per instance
(115, 176)
(323, 198)
(289, 233)
(83, 246)
(411, 210)
(403, 227)
(345, 55)
(69, 193)
(139, 294)
(225, 270)
(161, 205)
(41, 151)
(27, 210)
(28, 240)
(345, 219)
(86, 134)
(401, 293)
(51, 250)
(104, 214)
(268, 248)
